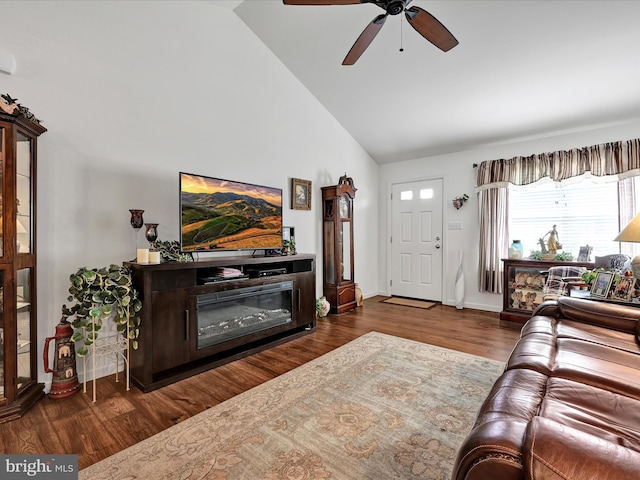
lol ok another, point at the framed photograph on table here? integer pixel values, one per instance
(624, 289)
(300, 194)
(289, 234)
(585, 254)
(602, 284)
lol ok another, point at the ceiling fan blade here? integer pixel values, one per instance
(321, 2)
(430, 28)
(365, 39)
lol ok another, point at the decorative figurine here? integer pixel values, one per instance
(553, 242)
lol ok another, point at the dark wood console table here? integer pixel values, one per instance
(170, 343)
(533, 271)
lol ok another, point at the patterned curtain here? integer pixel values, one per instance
(626, 211)
(493, 176)
(618, 158)
(494, 234)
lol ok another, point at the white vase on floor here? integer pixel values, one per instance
(459, 288)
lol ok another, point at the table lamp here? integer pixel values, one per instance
(631, 233)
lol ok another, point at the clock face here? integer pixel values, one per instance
(344, 207)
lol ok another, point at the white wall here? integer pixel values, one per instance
(134, 92)
(457, 171)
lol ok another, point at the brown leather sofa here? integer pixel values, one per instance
(568, 403)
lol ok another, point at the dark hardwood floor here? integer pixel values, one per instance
(120, 419)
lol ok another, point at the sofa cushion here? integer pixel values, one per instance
(581, 331)
(608, 315)
(556, 452)
(599, 335)
(586, 362)
(535, 351)
(592, 410)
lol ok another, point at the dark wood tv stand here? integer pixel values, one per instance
(169, 348)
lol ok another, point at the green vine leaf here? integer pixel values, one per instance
(76, 337)
(100, 294)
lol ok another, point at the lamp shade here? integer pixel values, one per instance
(630, 233)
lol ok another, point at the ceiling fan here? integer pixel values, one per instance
(421, 20)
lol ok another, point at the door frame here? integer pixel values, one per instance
(390, 184)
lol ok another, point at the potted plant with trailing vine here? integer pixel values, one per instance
(100, 294)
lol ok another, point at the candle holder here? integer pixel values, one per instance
(136, 224)
(151, 233)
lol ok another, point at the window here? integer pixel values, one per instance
(426, 193)
(406, 195)
(585, 213)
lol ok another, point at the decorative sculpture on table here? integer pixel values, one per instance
(553, 242)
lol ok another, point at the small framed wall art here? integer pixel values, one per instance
(300, 194)
(602, 284)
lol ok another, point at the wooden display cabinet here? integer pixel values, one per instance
(337, 214)
(523, 282)
(19, 388)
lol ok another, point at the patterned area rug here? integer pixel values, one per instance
(379, 407)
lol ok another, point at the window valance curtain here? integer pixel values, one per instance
(617, 158)
(493, 177)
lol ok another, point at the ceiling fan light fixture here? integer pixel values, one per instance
(421, 21)
(395, 7)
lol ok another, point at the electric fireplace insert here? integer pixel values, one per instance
(226, 315)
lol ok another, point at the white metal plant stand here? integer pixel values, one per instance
(117, 345)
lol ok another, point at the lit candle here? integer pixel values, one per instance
(154, 257)
(143, 255)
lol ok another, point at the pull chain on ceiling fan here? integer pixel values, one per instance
(422, 21)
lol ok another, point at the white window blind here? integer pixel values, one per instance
(585, 213)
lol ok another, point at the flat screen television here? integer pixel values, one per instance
(219, 215)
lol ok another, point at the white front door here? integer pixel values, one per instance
(416, 239)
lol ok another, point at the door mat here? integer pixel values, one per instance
(409, 302)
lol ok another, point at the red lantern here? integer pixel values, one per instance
(65, 376)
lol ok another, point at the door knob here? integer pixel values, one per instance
(437, 245)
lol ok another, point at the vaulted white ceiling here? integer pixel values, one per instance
(523, 69)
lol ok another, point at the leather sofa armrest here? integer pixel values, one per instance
(548, 308)
(608, 315)
(556, 452)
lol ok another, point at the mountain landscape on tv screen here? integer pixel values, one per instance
(226, 220)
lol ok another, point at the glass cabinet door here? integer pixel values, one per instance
(525, 285)
(329, 253)
(23, 195)
(345, 246)
(2, 372)
(24, 324)
(2, 166)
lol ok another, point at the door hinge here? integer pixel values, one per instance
(391, 283)
(390, 239)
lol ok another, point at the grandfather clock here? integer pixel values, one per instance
(337, 215)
